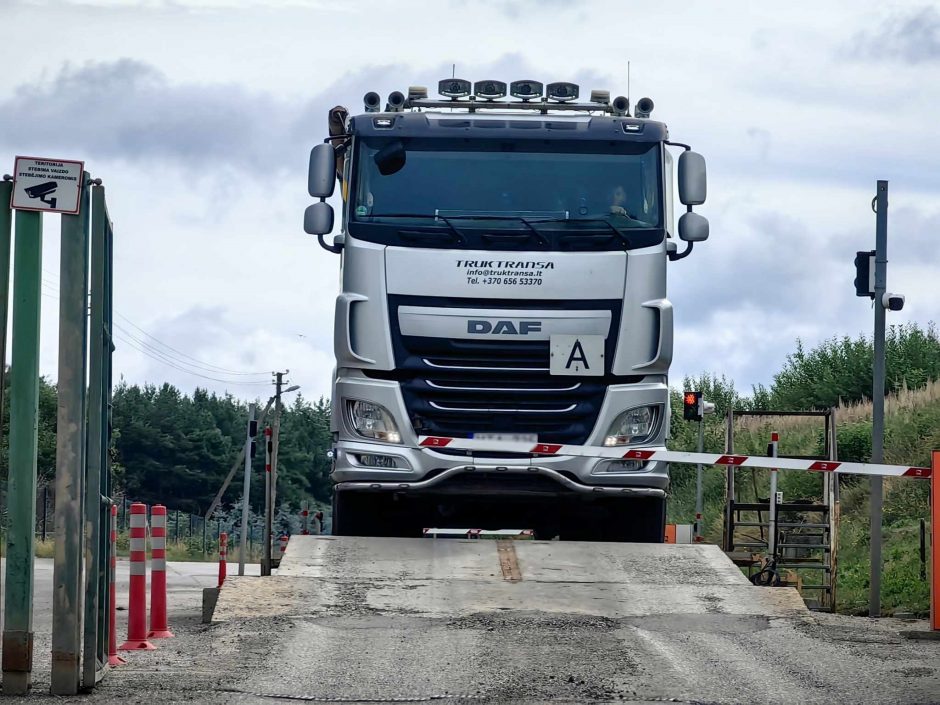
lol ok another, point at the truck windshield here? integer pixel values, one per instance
(597, 192)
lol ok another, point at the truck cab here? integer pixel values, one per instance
(503, 281)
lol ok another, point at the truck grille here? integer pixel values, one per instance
(455, 387)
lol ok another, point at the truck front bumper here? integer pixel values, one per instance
(422, 469)
(429, 469)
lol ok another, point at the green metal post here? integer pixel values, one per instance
(24, 436)
(97, 511)
(70, 470)
(6, 225)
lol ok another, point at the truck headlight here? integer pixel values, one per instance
(371, 420)
(632, 426)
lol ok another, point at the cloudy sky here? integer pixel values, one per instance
(199, 115)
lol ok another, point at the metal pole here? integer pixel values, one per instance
(21, 485)
(67, 627)
(266, 533)
(772, 528)
(97, 439)
(6, 225)
(45, 505)
(246, 493)
(699, 499)
(237, 464)
(277, 439)
(729, 485)
(878, 394)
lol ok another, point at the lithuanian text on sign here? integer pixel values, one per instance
(52, 185)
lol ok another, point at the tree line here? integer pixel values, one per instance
(176, 448)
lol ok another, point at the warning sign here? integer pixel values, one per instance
(52, 185)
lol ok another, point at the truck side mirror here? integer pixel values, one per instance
(692, 181)
(318, 218)
(692, 227)
(321, 177)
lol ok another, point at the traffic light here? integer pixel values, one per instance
(252, 432)
(692, 406)
(865, 274)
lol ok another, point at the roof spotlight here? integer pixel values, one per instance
(396, 101)
(454, 88)
(489, 90)
(562, 92)
(644, 106)
(621, 105)
(602, 97)
(526, 90)
(371, 100)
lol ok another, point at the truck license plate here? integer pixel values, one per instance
(516, 437)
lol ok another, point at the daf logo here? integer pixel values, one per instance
(503, 327)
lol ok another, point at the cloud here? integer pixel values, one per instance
(912, 37)
(127, 110)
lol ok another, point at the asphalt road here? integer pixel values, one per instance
(383, 620)
(185, 582)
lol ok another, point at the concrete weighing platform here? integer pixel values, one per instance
(423, 619)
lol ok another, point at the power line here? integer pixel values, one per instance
(131, 344)
(215, 368)
(196, 362)
(178, 360)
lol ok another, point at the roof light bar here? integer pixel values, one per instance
(525, 89)
(454, 88)
(562, 91)
(489, 90)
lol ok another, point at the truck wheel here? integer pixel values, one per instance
(645, 521)
(350, 514)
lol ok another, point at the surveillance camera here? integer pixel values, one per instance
(41, 190)
(893, 302)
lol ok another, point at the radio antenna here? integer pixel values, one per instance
(453, 70)
(628, 85)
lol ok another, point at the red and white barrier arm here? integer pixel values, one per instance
(671, 456)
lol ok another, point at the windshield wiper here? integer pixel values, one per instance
(507, 236)
(458, 236)
(617, 231)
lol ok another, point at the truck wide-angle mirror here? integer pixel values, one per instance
(692, 181)
(318, 219)
(693, 227)
(322, 175)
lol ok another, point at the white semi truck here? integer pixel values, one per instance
(503, 265)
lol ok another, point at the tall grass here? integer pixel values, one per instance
(912, 430)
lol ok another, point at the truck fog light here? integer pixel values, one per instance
(377, 461)
(632, 426)
(371, 420)
(620, 466)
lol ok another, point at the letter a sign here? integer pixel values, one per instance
(577, 355)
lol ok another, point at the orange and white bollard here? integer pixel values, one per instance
(158, 625)
(137, 607)
(223, 556)
(113, 658)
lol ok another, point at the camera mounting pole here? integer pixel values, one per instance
(880, 205)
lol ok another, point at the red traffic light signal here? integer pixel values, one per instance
(692, 406)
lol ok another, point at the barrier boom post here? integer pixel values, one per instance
(935, 543)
